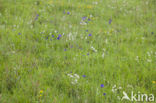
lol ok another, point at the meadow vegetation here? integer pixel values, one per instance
(76, 51)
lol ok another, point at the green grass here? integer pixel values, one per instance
(35, 68)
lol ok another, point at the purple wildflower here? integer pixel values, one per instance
(89, 34)
(52, 35)
(47, 38)
(19, 33)
(59, 36)
(84, 76)
(89, 19)
(65, 49)
(110, 21)
(87, 53)
(37, 16)
(68, 12)
(152, 33)
(71, 46)
(104, 93)
(84, 18)
(86, 30)
(102, 85)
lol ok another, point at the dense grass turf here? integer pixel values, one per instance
(76, 51)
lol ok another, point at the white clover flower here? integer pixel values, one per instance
(75, 81)
(77, 76)
(70, 75)
(83, 23)
(114, 90)
(93, 49)
(114, 86)
(74, 77)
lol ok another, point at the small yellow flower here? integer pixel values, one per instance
(153, 82)
(41, 91)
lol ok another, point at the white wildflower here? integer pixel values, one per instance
(149, 60)
(74, 77)
(91, 16)
(103, 55)
(137, 58)
(70, 75)
(83, 23)
(77, 76)
(93, 49)
(86, 37)
(56, 31)
(120, 87)
(70, 26)
(114, 86)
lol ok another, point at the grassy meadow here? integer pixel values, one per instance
(77, 51)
